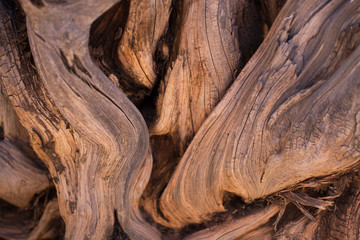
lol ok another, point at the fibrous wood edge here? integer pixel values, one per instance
(147, 22)
(239, 227)
(342, 222)
(339, 222)
(205, 61)
(100, 161)
(246, 143)
(9, 122)
(213, 40)
(20, 177)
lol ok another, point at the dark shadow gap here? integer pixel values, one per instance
(105, 36)
(118, 233)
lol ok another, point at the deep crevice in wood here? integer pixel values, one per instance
(1, 131)
(118, 233)
(248, 32)
(105, 35)
(318, 192)
(41, 220)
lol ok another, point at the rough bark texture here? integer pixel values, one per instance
(195, 119)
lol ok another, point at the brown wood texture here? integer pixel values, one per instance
(81, 157)
(281, 113)
(20, 176)
(207, 57)
(18, 225)
(213, 41)
(194, 119)
(146, 23)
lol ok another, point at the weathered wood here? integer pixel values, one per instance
(146, 23)
(212, 42)
(269, 11)
(99, 156)
(206, 59)
(287, 130)
(301, 229)
(237, 228)
(47, 128)
(294, 107)
(22, 226)
(11, 128)
(124, 42)
(340, 222)
(343, 221)
(45, 229)
(20, 177)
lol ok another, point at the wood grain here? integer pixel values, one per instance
(102, 147)
(213, 40)
(206, 60)
(21, 177)
(147, 22)
(235, 137)
(247, 142)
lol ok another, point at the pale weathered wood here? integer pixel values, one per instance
(20, 176)
(99, 156)
(294, 106)
(213, 40)
(206, 59)
(237, 228)
(279, 142)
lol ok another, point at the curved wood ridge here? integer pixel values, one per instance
(247, 140)
(102, 147)
(146, 23)
(237, 228)
(47, 227)
(206, 60)
(212, 42)
(233, 145)
(20, 176)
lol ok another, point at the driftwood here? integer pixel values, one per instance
(180, 119)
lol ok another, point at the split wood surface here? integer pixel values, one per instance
(180, 119)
